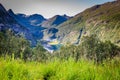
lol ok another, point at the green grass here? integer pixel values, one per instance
(59, 70)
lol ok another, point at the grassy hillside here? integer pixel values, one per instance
(102, 20)
(59, 70)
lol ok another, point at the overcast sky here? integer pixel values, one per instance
(49, 8)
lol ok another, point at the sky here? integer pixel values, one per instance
(49, 8)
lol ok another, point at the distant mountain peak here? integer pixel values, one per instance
(65, 15)
(2, 9)
(55, 21)
(56, 16)
(37, 16)
(1, 6)
(10, 11)
(21, 14)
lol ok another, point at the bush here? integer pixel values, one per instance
(95, 49)
(14, 45)
(90, 48)
(39, 54)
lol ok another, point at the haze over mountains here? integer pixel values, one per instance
(63, 28)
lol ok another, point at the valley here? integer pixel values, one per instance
(66, 29)
(85, 46)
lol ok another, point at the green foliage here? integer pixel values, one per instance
(17, 47)
(11, 44)
(68, 51)
(95, 49)
(71, 62)
(59, 70)
(40, 53)
(115, 17)
(91, 48)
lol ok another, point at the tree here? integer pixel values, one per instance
(39, 53)
(97, 50)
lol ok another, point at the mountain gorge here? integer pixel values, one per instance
(34, 27)
(102, 20)
(82, 47)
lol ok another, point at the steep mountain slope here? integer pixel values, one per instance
(55, 21)
(102, 20)
(50, 25)
(30, 27)
(26, 22)
(9, 23)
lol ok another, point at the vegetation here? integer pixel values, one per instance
(102, 20)
(97, 57)
(91, 60)
(59, 70)
(13, 45)
(91, 48)
(16, 46)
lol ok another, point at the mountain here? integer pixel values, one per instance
(51, 24)
(102, 20)
(34, 19)
(5, 18)
(27, 22)
(55, 21)
(29, 26)
(51, 31)
(40, 27)
(7, 22)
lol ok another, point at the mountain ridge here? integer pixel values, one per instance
(29, 27)
(55, 21)
(98, 20)
(7, 22)
(66, 29)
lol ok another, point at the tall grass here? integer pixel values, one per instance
(59, 70)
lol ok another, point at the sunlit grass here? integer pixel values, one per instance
(59, 70)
